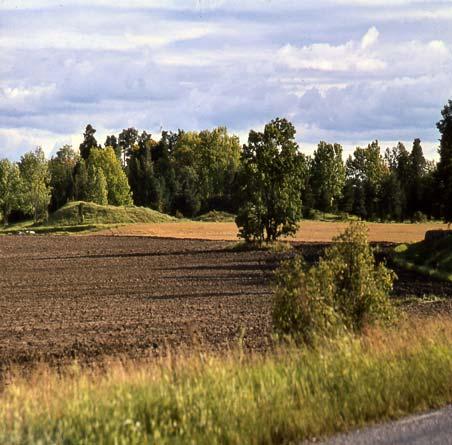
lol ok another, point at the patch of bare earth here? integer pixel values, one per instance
(89, 297)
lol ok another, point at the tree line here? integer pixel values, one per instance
(268, 182)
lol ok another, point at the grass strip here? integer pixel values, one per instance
(286, 396)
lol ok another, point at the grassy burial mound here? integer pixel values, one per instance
(432, 256)
(79, 212)
(216, 216)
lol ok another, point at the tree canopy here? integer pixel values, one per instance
(271, 181)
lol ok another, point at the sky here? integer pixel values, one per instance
(347, 71)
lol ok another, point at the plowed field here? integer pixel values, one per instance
(63, 297)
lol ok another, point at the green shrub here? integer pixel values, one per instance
(303, 302)
(419, 217)
(346, 290)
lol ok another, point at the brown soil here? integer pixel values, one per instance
(63, 297)
(310, 231)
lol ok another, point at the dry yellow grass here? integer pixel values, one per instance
(310, 231)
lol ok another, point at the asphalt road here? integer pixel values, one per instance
(434, 428)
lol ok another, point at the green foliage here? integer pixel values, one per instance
(303, 302)
(11, 189)
(117, 184)
(143, 183)
(272, 179)
(81, 181)
(34, 171)
(96, 186)
(205, 167)
(345, 290)
(444, 173)
(89, 142)
(217, 162)
(327, 176)
(61, 169)
(431, 257)
(419, 217)
(392, 198)
(365, 170)
(126, 142)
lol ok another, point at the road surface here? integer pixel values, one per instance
(434, 428)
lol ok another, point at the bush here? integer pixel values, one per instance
(346, 290)
(419, 217)
(303, 305)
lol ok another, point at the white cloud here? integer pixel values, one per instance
(325, 57)
(348, 70)
(370, 38)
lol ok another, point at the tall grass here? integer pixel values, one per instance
(285, 396)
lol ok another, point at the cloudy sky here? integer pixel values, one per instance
(348, 71)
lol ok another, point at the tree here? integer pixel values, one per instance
(112, 141)
(272, 180)
(81, 181)
(96, 186)
(164, 170)
(145, 187)
(217, 162)
(127, 139)
(396, 183)
(187, 199)
(444, 172)
(366, 170)
(10, 189)
(392, 197)
(117, 184)
(418, 172)
(34, 171)
(327, 176)
(61, 168)
(89, 142)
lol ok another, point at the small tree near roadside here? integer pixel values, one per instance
(271, 182)
(346, 291)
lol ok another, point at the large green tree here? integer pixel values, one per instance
(217, 159)
(96, 186)
(272, 180)
(117, 184)
(327, 176)
(126, 142)
(61, 168)
(11, 189)
(366, 170)
(444, 173)
(418, 180)
(143, 183)
(34, 171)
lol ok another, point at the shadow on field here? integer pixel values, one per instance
(219, 295)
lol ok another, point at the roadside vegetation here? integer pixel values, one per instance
(431, 257)
(286, 396)
(345, 292)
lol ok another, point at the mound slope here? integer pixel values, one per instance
(69, 215)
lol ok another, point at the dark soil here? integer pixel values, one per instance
(91, 297)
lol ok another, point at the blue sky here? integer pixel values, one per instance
(346, 71)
